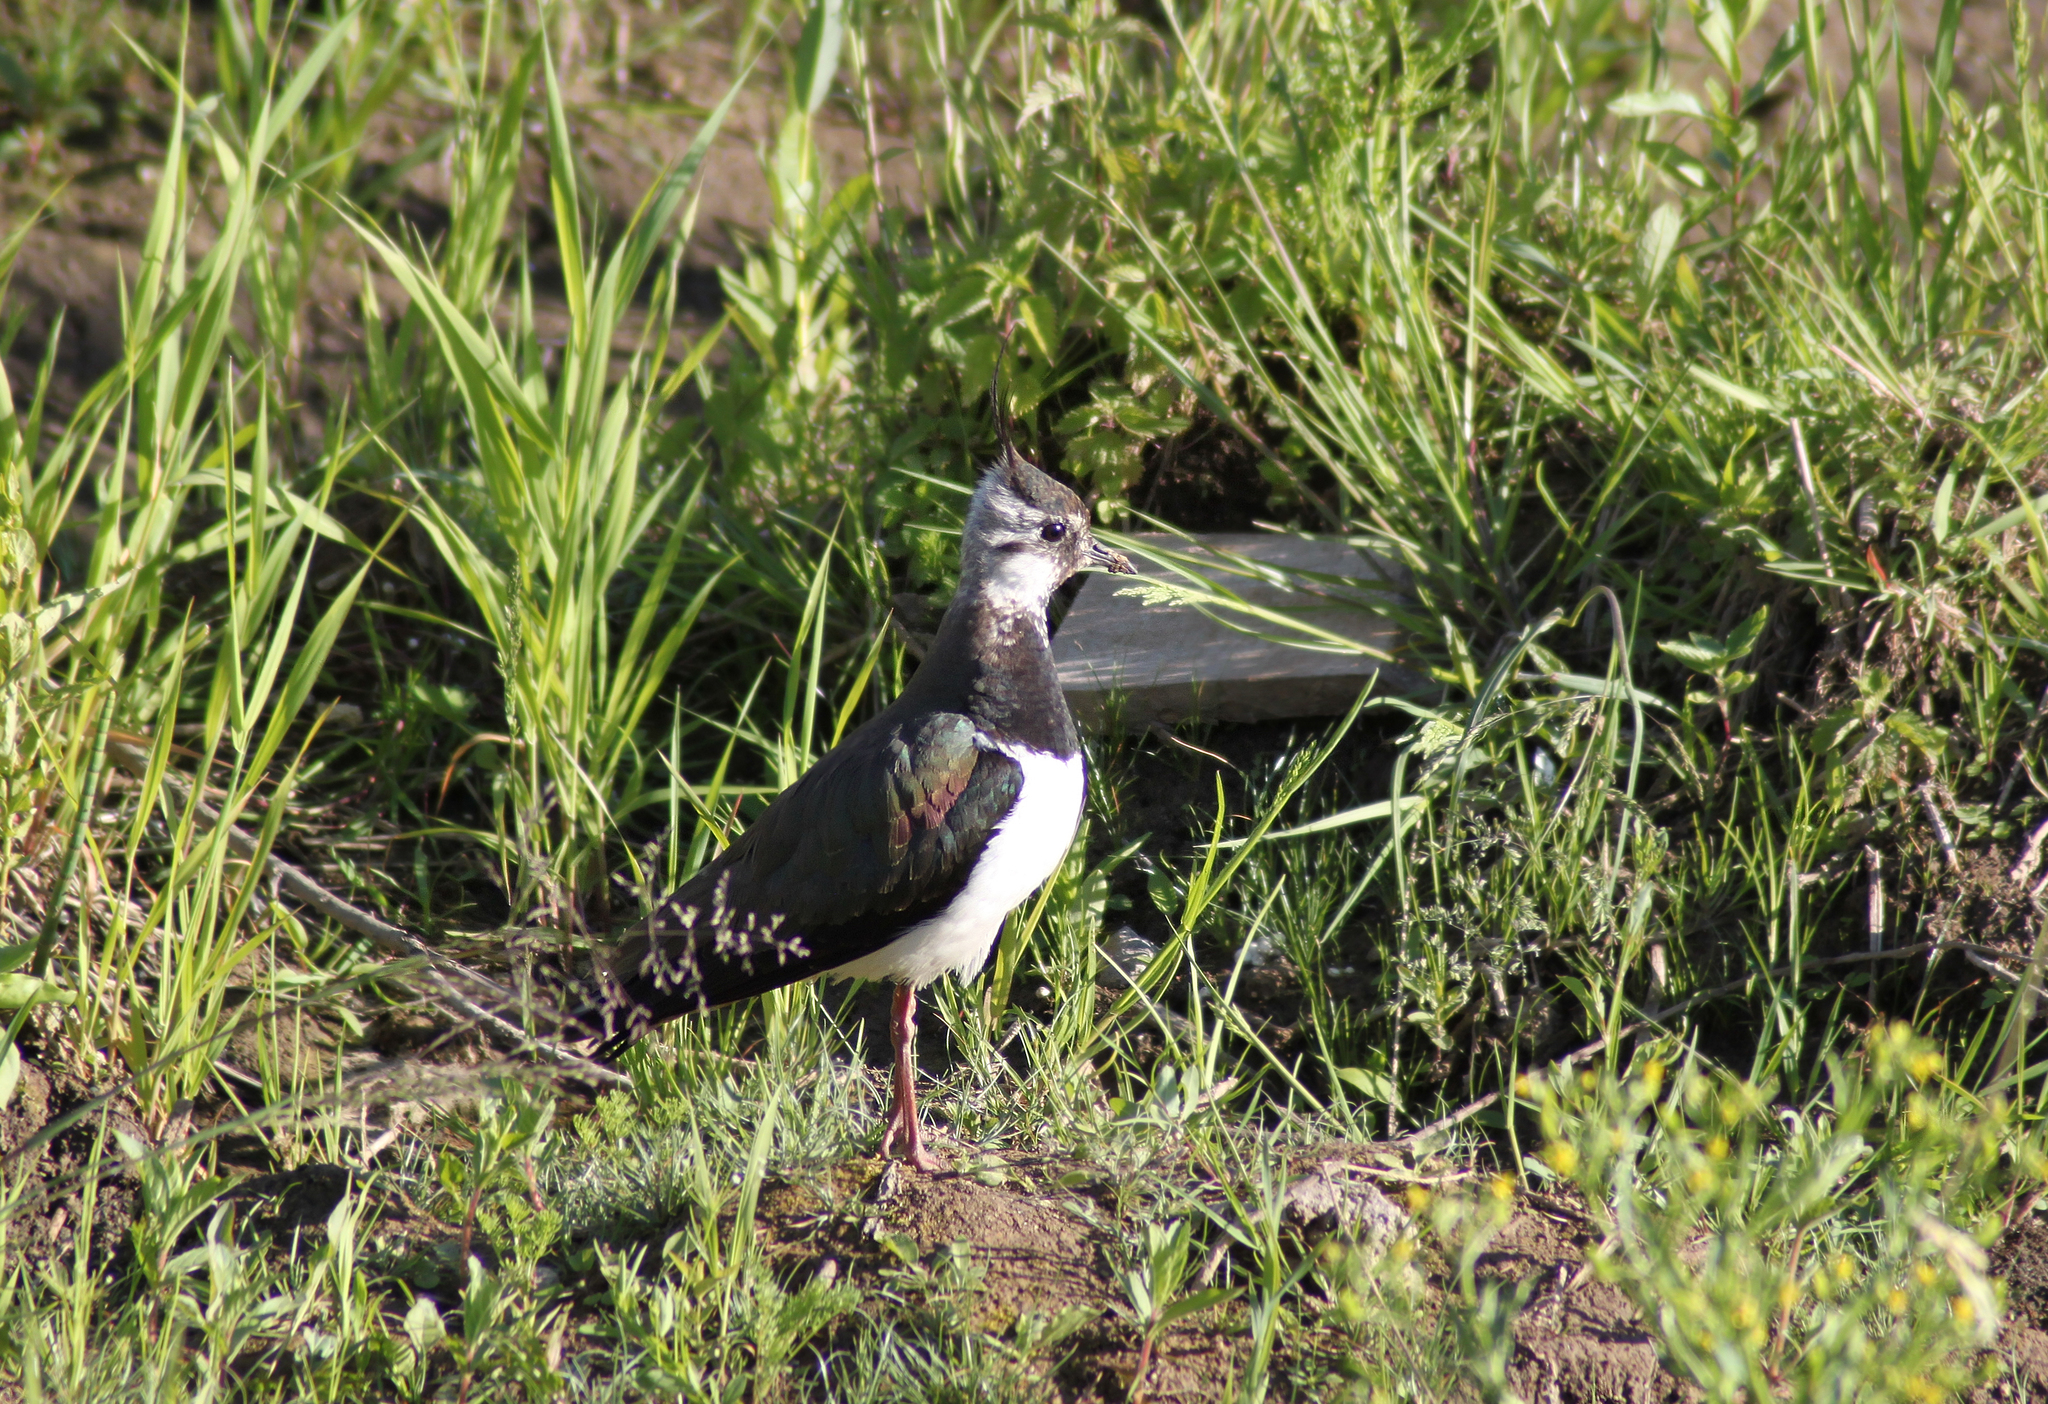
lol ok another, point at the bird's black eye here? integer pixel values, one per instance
(1052, 531)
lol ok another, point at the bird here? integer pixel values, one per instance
(897, 856)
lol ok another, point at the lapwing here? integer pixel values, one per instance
(897, 856)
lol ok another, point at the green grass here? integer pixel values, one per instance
(1697, 888)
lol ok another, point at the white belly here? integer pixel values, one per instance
(1023, 852)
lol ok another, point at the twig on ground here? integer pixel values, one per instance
(1939, 825)
(2030, 853)
(1806, 485)
(1409, 1177)
(1990, 966)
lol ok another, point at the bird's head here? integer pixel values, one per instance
(1026, 534)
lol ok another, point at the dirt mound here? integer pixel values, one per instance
(1039, 1250)
(66, 1198)
(1035, 1250)
(1040, 1255)
(2021, 1259)
(1578, 1339)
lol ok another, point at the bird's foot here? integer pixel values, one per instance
(907, 1142)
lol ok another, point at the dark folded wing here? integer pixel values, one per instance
(876, 837)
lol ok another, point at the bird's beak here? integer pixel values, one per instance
(1100, 557)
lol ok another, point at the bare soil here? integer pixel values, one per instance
(1578, 1340)
(2021, 1259)
(66, 1195)
(1042, 1250)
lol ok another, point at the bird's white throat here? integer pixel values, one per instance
(1023, 852)
(1017, 582)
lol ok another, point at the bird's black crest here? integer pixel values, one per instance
(1005, 445)
(1031, 485)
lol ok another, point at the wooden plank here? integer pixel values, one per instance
(1170, 661)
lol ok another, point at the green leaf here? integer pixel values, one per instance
(1538, 367)
(278, 114)
(1791, 47)
(66, 607)
(1048, 93)
(312, 657)
(1054, 24)
(1109, 461)
(1654, 246)
(1376, 1085)
(562, 194)
(17, 990)
(1068, 1321)
(1748, 632)
(1925, 737)
(1364, 813)
(1137, 419)
(1656, 104)
(2027, 511)
(1944, 496)
(1717, 32)
(817, 53)
(423, 1325)
(1678, 163)
(1741, 394)
(1042, 320)
(10, 1073)
(1194, 1302)
(1702, 655)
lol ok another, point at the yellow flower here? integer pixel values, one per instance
(1588, 1080)
(1501, 1187)
(1653, 1074)
(1418, 1199)
(1845, 1268)
(1717, 1148)
(1924, 1065)
(1788, 1294)
(1561, 1156)
(1962, 1309)
(1896, 1301)
(1524, 1088)
(1743, 1314)
(1924, 1274)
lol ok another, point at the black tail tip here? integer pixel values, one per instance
(600, 1022)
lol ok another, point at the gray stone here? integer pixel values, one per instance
(1125, 954)
(1171, 660)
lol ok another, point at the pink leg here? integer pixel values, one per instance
(903, 1134)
